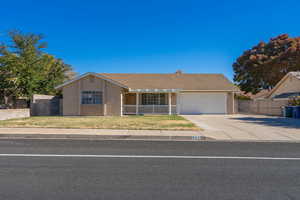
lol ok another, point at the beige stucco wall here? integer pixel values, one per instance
(72, 96)
(230, 103)
(91, 83)
(130, 99)
(173, 99)
(91, 110)
(291, 84)
(113, 99)
(71, 99)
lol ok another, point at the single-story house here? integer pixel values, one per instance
(118, 94)
(287, 87)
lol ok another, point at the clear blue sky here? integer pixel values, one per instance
(152, 36)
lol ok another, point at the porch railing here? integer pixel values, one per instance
(148, 109)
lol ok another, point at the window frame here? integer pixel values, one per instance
(96, 97)
(154, 99)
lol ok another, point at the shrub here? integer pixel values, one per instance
(242, 97)
(294, 101)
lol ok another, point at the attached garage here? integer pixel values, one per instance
(203, 103)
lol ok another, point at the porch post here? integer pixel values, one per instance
(137, 104)
(177, 103)
(79, 95)
(104, 97)
(170, 103)
(233, 106)
(121, 98)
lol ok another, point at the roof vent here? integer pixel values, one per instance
(178, 72)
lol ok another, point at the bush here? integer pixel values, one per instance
(242, 97)
(294, 101)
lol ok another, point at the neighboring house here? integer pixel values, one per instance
(118, 94)
(287, 87)
(260, 95)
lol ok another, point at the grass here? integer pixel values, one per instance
(151, 122)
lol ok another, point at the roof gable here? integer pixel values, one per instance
(90, 74)
(295, 75)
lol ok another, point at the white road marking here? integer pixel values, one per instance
(148, 156)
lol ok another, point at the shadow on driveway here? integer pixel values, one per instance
(271, 121)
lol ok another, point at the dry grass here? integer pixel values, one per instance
(158, 122)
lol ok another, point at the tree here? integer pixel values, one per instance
(263, 66)
(8, 80)
(25, 69)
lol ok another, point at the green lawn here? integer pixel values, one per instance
(157, 122)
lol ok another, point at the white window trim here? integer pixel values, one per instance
(93, 100)
(154, 101)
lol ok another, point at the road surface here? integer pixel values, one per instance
(135, 170)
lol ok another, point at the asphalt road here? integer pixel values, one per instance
(60, 169)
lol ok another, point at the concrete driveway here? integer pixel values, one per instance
(247, 127)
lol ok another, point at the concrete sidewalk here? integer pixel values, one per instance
(99, 134)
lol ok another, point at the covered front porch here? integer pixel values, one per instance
(135, 103)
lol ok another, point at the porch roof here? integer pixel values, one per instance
(154, 90)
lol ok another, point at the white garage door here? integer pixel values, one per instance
(203, 103)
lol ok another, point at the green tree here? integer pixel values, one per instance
(8, 80)
(25, 69)
(265, 64)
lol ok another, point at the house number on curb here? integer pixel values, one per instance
(196, 137)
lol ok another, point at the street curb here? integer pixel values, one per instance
(132, 137)
(103, 137)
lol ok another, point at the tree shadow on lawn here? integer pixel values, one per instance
(271, 121)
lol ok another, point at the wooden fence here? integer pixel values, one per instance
(263, 106)
(45, 105)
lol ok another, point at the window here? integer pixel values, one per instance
(154, 99)
(91, 97)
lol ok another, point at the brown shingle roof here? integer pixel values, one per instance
(174, 81)
(295, 74)
(260, 95)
